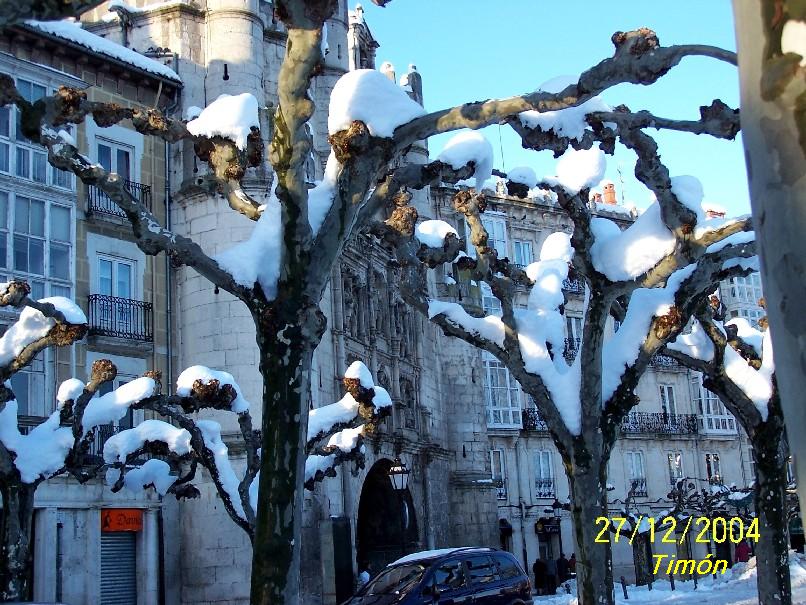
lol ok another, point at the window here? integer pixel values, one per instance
(480, 569)
(450, 575)
(499, 475)
(573, 327)
(21, 156)
(544, 476)
(507, 568)
(746, 289)
(714, 418)
(712, 468)
(127, 421)
(29, 388)
(115, 157)
(489, 302)
(36, 244)
(115, 277)
(675, 463)
(496, 235)
(636, 473)
(522, 251)
(667, 400)
(502, 394)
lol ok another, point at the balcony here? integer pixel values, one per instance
(574, 286)
(100, 203)
(121, 318)
(664, 362)
(532, 421)
(500, 489)
(660, 423)
(544, 487)
(638, 486)
(571, 349)
(94, 455)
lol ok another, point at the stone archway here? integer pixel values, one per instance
(387, 524)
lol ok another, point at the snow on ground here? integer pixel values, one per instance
(736, 587)
(229, 116)
(369, 96)
(72, 32)
(469, 146)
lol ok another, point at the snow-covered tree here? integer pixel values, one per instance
(736, 361)
(281, 271)
(771, 38)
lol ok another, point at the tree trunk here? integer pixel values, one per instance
(772, 549)
(641, 558)
(773, 96)
(287, 336)
(594, 560)
(16, 556)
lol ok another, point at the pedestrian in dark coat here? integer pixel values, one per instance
(572, 563)
(562, 568)
(539, 569)
(742, 552)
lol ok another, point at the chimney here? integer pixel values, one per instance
(609, 193)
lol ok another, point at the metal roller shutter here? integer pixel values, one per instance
(118, 568)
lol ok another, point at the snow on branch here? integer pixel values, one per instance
(336, 431)
(469, 148)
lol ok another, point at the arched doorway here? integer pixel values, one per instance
(387, 524)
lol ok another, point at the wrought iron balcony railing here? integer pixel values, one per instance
(664, 362)
(121, 317)
(99, 202)
(544, 487)
(500, 489)
(666, 424)
(532, 421)
(574, 286)
(571, 349)
(638, 485)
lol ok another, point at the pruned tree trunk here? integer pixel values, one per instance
(287, 336)
(16, 555)
(641, 558)
(769, 499)
(773, 97)
(594, 562)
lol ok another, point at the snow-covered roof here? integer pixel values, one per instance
(72, 32)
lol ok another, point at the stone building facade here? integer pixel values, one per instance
(67, 239)
(483, 468)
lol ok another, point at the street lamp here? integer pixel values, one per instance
(399, 476)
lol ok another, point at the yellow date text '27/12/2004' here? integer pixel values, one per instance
(672, 531)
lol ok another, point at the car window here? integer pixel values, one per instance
(507, 567)
(397, 580)
(481, 569)
(450, 575)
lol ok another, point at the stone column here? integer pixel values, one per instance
(45, 554)
(148, 560)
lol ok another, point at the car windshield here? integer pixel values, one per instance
(397, 580)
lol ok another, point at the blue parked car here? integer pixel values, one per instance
(481, 576)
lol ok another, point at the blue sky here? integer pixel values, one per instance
(468, 50)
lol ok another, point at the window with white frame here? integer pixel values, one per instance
(752, 314)
(713, 417)
(501, 394)
(36, 244)
(668, 404)
(499, 474)
(636, 472)
(713, 470)
(19, 155)
(496, 236)
(29, 388)
(746, 289)
(675, 464)
(544, 475)
(522, 251)
(489, 302)
(115, 157)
